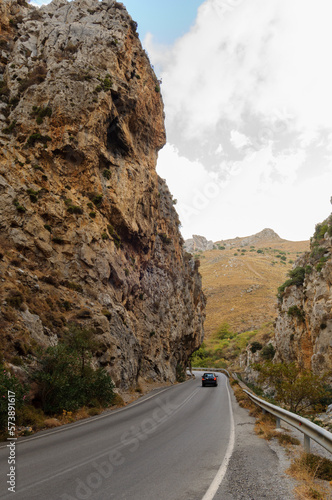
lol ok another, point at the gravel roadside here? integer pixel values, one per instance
(256, 469)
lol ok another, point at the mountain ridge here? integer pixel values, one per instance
(200, 243)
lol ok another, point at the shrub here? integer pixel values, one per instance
(180, 373)
(268, 352)
(320, 230)
(255, 346)
(296, 312)
(9, 382)
(37, 137)
(106, 174)
(296, 275)
(40, 113)
(36, 77)
(97, 199)
(74, 286)
(15, 299)
(321, 467)
(225, 332)
(20, 208)
(116, 238)
(10, 128)
(294, 388)
(65, 377)
(165, 239)
(74, 209)
(33, 195)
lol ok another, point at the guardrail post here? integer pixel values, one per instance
(306, 443)
(278, 424)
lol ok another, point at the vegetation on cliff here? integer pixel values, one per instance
(89, 233)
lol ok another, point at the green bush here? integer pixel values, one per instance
(180, 373)
(296, 312)
(296, 276)
(320, 230)
(65, 377)
(295, 389)
(74, 209)
(9, 382)
(37, 137)
(255, 346)
(225, 332)
(40, 113)
(268, 352)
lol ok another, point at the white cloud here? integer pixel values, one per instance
(257, 56)
(239, 140)
(246, 95)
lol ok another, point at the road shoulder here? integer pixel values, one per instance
(256, 469)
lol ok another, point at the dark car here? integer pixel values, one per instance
(209, 379)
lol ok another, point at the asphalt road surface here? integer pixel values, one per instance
(173, 444)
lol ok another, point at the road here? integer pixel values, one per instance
(173, 444)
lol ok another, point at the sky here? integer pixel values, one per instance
(247, 93)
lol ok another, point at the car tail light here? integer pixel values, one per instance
(214, 378)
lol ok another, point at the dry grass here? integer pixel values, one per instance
(49, 423)
(310, 486)
(227, 279)
(305, 468)
(241, 397)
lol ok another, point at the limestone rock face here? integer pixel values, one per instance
(88, 229)
(303, 331)
(198, 243)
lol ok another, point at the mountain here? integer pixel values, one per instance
(88, 229)
(240, 279)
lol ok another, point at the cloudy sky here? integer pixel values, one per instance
(247, 90)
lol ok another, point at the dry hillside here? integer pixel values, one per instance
(241, 277)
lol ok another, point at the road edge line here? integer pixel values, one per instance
(214, 486)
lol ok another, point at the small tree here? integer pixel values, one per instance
(81, 340)
(66, 378)
(295, 389)
(225, 332)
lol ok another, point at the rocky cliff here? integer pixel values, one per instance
(198, 244)
(88, 230)
(303, 331)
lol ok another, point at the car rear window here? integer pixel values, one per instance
(208, 375)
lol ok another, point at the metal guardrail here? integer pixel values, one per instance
(221, 370)
(309, 429)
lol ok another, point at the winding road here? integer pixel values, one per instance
(173, 444)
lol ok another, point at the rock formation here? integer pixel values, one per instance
(303, 331)
(198, 244)
(88, 230)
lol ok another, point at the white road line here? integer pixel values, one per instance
(214, 486)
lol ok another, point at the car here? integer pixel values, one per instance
(209, 379)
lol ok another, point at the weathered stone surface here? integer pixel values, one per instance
(307, 339)
(81, 124)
